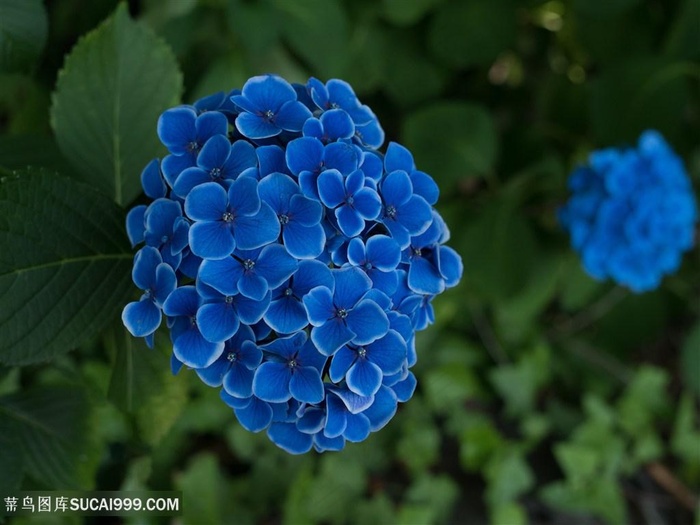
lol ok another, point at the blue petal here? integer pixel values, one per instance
(253, 286)
(323, 443)
(286, 347)
(277, 189)
(152, 182)
(270, 159)
(313, 128)
(173, 165)
(275, 265)
(160, 219)
(388, 352)
(249, 354)
(182, 302)
(243, 196)
(165, 283)
(256, 416)
(135, 227)
(308, 183)
(239, 381)
(222, 275)
(175, 364)
(292, 115)
(214, 153)
(382, 409)
(349, 221)
(425, 186)
(364, 378)
(250, 311)
(397, 188)
(404, 389)
(372, 166)
(143, 273)
(234, 402)
(336, 417)
(241, 158)
(342, 360)
(305, 211)
(318, 92)
(206, 202)
(423, 277)
(195, 351)
(356, 252)
(286, 315)
(450, 265)
(332, 335)
(141, 318)
(415, 215)
(367, 203)
(350, 285)
(383, 252)
(337, 124)
(304, 242)
(304, 154)
(271, 382)
(267, 92)
(217, 321)
(306, 385)
(353, 402)
(176, 129)
(312, 421)
(311, 274)
(319, 305)
(188, 179)
(288, 438)
(341, 156)
(213, 375)
(258, 230)
(331, 188)
(357, 428)
(367, 321)
(310, 356)
(398, 158)
(209, 124)
(211, 240)
(371, 135)
(256, 127)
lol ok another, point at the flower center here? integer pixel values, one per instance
(193, 320)
(229, 299)
(269, 114)
(368, 266)
(192, 147)
(284, 219)
(164, 239)
(293, 363)
(215, 173)
(288, 292)
(231, 357)
(417, 252)
(362, 352)
(227, 217)
(342, 313)
(248, 264)
(350, 200)
(391, 211)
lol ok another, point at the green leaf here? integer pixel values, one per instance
(683, 38)
(430, 496)
(499, 248)
(50, 425)
(636, 95)
(11, 457)
(508, 475)
(602, 8)
(115, 83)
(64, 267)
(452, 141)
(404, 13)
(205, 490)
(17, 152)
(690, 360)
(23, 30)
(464, 34)
(518, 383)
(318, 31)
(510, 513)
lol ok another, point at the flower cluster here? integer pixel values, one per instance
(292, 261)
(632, 213)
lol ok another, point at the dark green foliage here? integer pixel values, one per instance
(544, 396)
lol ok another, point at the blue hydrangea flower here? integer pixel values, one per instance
(157, 280)
(632, 213)
(292, 261)
(269, 105)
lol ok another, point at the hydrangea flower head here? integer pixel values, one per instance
(292, 260)
(632, 213)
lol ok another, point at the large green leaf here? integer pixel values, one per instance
(690, 360)
(452, 141)
(113, 86)
(50, 427)
(464, 34)
(64, 265)
(23, 28)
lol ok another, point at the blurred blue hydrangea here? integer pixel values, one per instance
(632, 213)
(292, 261)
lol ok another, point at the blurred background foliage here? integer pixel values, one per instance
(544, 397)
